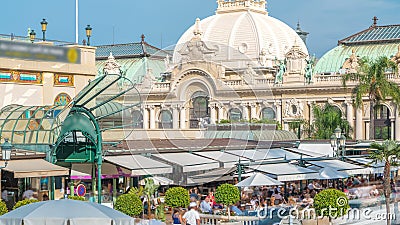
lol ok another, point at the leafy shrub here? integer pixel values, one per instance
(129, 204)
(332, 203)
(3, 208)
(224, 121)
(177, 197)
(227, 194)
(75, 197)
(24, 202)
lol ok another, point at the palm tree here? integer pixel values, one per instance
(372, 81)
(388, 153)
(327, 119)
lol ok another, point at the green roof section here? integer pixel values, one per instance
(333, 60)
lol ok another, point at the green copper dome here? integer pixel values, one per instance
(333, 60)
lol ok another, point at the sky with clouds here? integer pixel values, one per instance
(164, 21)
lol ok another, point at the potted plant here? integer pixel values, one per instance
(149, 189)
(227, 194)
(177, 197)
(130, 204)
(331, 203)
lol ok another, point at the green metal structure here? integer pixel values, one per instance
(73, 133)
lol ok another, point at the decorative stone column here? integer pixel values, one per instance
(311, 112)
(278, 107)
(213, 116)
(253, 111)
(145, 117)
(392, 129)
(183, 117)
(349, 112)
(397, 124)
(367, 124)
(152, 117)
(220, 113)
(359, 124)
(175, 117)
(245, 111)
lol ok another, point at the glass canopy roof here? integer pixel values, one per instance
(108, 98)
(378, 33)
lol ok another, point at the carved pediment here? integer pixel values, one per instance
(197, 50)
(295, 53)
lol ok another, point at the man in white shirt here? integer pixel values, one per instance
(192, 217)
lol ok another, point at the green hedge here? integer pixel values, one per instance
(331, 203)
(3, 208)
(75, 197)
(227, 194)
(24, 202)
(177, 197)
(129, 204)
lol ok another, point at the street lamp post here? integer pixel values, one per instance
(44, 28)
(338, 143)
(32, 35)
(6, 148)
(88, 34)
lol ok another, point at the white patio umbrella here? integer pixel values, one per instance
(329, 173)
(62, 212)
(258, 179)
(158, 181)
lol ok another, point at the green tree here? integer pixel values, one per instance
(149, 189)
(228, 195)
(327, 119)
(177, 197)
(373, 82)
(388, 153)
(331, 203)
(130, 204)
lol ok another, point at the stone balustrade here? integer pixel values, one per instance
(207, 219)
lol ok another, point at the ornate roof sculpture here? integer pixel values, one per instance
(373, 42)
(243, 31)
(133, 60)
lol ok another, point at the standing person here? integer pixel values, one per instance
(177, 217)
(192, 217)
(212, 199)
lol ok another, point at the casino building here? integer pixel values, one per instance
(242, 64)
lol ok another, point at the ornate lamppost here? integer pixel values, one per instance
(44, 28)
(88, 34)
(32, 36)
(338, 143)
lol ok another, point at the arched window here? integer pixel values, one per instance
(268, 113)
(137, 119)
(199, 110)
(382, 122)
(235, 114)
(165, 120)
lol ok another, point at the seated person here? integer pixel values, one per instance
(307, 201)
(278, 198)
(236, 210)
(205, 205)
